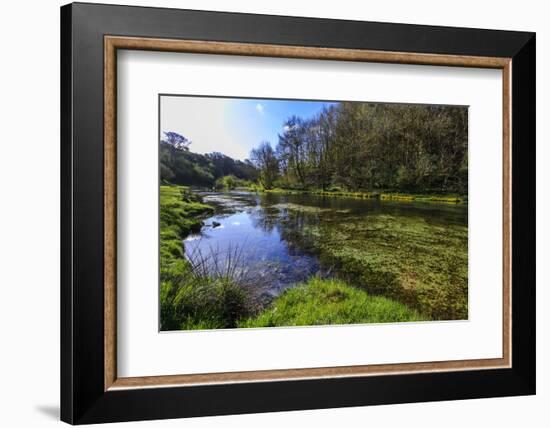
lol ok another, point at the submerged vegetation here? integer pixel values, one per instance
(445, 198)
(422, 264)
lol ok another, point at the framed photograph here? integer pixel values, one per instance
(266, 213)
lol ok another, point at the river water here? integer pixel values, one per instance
(266, 233)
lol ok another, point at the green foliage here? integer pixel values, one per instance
(348, 147)
(230, 182)
(227, 182)
(330, 301)
(265, 159)
(358, 147)
(178, 165)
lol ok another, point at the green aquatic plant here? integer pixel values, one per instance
(388, 196)
(422, 264)
(299, 207)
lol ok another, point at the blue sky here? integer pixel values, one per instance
(230, 125)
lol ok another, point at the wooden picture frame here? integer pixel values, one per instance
(91, 390)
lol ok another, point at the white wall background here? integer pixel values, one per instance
(29, 214)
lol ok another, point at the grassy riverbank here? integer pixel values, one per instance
(390, 196)
(180, 214)
(330, 301)
(191, 299)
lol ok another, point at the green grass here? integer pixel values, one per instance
(180, 214)
(191, 303)
(181, 210)
(330, 301)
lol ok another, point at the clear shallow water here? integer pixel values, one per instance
(266, 231)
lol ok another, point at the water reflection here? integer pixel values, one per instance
(271, 230)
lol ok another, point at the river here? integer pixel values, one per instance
(285, 239)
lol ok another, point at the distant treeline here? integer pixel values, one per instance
(362, 146)
(178, 165)
(349, 146)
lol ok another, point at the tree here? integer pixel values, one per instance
(367, 146)
(350, 145)
(293, 149)
(326, 139)
(263, 157)
(227, 182)
(178, 165)
(176, 140)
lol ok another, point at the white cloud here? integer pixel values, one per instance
(260, 108)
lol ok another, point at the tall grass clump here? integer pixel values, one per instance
(200, 291)
(330, 301)
(225, 288)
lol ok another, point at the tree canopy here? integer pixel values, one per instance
(367, 146)
(179, 165)
(351, 145)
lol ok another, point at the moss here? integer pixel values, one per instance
(330, 301)
(278, 190)
(439, 198)
(181, 213)
(449, 199)
(181, 209)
